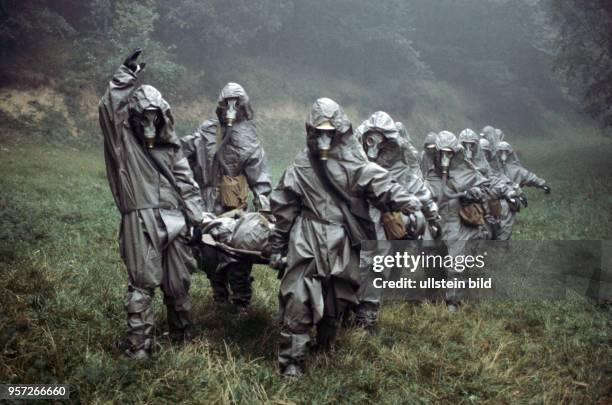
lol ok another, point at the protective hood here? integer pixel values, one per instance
(395, 145)
(234, 90)
(326, 109)
(430, 139)
(504, 146)
(381, 122)
(148, 97)
(492, 135)
(448, 140)
(468, 135)
(411, 154)
(484, 145)
(344, 145)
(462, 174)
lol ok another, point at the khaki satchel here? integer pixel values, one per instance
(234, 191)
(472, 214)
(495, 208)
(395, 229)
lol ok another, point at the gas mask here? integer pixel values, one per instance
(320, 139)
(324, 140)
(231, 112)
(446, 155)
(468, 149)
(146, 125)
(488, 155)
(373, 143)
(503, 156)
(430, 149)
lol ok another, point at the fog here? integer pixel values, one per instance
(435, 64)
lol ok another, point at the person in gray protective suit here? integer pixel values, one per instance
(321, 208)
(228, 162)
(426, 160)
(502, 192)
(459, 190)
(403, 133)
(387, 143)
(493, 135)
(506, 162)
(158, 198)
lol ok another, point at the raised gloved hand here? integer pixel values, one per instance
(546, 189)
(130, 61)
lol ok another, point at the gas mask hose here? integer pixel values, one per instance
(231, 112)
(447, 193)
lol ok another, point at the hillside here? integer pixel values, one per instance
(432, 65)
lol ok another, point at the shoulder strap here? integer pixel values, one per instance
(355, 230)
(164, 171)
(218, 163)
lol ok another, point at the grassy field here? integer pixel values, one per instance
(62, 284)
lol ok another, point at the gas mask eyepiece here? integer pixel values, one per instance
(430, 149)
(150, 121)
(231, 112)
(373, 142)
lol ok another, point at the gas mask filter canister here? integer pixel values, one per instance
(325, 134)
(503, 156)
(445, 160)
(468, 149)
(149, 121)
(232, 111)
(324, 140)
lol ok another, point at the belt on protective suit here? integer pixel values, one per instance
(306, 213)
(148, 206)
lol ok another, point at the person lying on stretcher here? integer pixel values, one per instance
(244, 236)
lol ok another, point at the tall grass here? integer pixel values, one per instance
(62, 283)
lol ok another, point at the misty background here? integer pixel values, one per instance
(541, 70)
(531, 67)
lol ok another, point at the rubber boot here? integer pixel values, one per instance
(179, 326)
(140, 323)
(292, 352)
(366, 315)
(240, 281)
(327, 329)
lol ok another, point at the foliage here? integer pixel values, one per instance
(22, 23)
(213, 29)
(387, 48)
(584, 52)
(120, 28)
